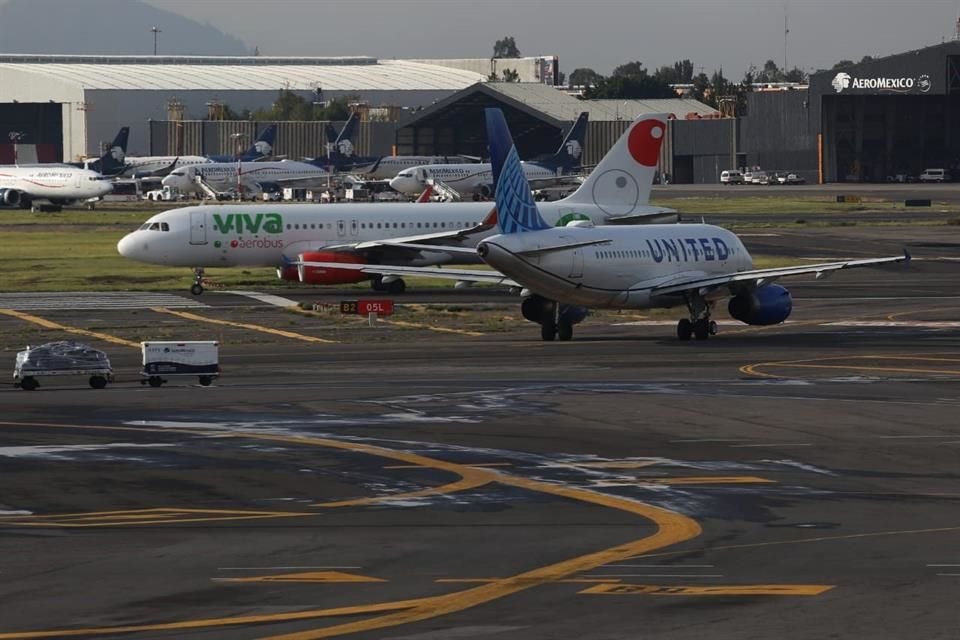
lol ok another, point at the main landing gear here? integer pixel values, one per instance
(197, 287)
(699, 325)
(553, 325)
(388, 284)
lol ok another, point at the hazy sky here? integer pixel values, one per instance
(732, 34)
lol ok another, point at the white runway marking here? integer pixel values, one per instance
(267, 298)
(776, 444)
(102, 300)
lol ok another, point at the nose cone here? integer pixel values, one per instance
(133, 246)
(104, 187)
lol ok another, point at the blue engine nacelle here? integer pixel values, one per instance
(770, 304)
(536, 308)
(9, 197)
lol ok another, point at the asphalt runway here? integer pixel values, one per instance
(453, 479)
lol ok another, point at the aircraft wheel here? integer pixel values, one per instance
(548, 331)
(701, 329)
(565, 331)
(713, 328)
(397, 286)
(98, 382)
(196, 289)
(684, 329)
(155, 381)
(29, 384)
(376, 283)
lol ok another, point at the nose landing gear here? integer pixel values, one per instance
(197, 287)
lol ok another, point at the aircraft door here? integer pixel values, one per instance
(341, 228)
(76, 180)
(198, 227)
(576, 267)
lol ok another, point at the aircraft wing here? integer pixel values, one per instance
(662, 216)
(758, 277)
(460, 275)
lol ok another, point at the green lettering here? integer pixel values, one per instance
(251, 223)
(273, 223)
(224, 226)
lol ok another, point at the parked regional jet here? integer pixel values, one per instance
(160, 166)
(48, 187)
(477, 179)
(216, 178)
(112, 162)
(341, 158)
(579, 267)
(617, 192)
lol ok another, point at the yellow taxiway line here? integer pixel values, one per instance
(56, 326)
(671, 528)
(244, 325)
(817, 363)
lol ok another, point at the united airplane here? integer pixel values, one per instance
(409, 234)
(567, 271)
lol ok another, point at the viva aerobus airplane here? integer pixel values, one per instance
(405, 234)
(566, 271)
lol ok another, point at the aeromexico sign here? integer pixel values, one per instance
(845, 82)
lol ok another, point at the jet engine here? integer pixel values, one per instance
(9, 197)
(323, 275)
(289, 273)
(770, 304)
(537, 309)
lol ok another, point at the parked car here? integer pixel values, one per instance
(934, 175)
(790, 178)
(731, 177)
(748, 177)
(760, 178)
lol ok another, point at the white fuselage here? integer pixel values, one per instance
(618, 273)
(250, 176)
(388, 167)
(150, 164)
(267, 235)
(467, 179)
(56, 183)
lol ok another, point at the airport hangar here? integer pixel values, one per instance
(883, 119)
(66, 107)
(697, 147)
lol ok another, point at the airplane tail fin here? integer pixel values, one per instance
(622, 180)
(570, 154)
(516, 210)
(113, 160)
(263, 147)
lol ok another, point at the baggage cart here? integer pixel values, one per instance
(64, 358)
(163, 359)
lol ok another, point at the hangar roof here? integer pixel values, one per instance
(550, 103)
(184, 73)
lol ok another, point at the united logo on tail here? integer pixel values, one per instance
(516, 209)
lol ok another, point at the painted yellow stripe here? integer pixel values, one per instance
(244, 325)
(811, 363)
(711, 590)
(417, 325)
(310, 576)
(474, 464)
(145, 516)
(670, 528)
(564, 581)
(56, 326)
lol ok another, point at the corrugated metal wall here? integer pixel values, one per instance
(780, 134)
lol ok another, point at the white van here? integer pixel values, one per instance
(731, 177)
(934, 175)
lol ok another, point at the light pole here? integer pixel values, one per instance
(237, 138)
(155, 30)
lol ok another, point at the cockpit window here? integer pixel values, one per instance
(164, 226)
(155, 226)
(178, 173)
(144, 226)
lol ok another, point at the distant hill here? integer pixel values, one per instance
(107, 27)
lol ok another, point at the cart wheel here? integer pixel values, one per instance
(155, 381)
(206, 380)
(29, 384)
(98, 382)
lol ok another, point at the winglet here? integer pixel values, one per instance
(906, 256)
(516, 209)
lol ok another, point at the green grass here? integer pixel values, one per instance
(774, 204)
